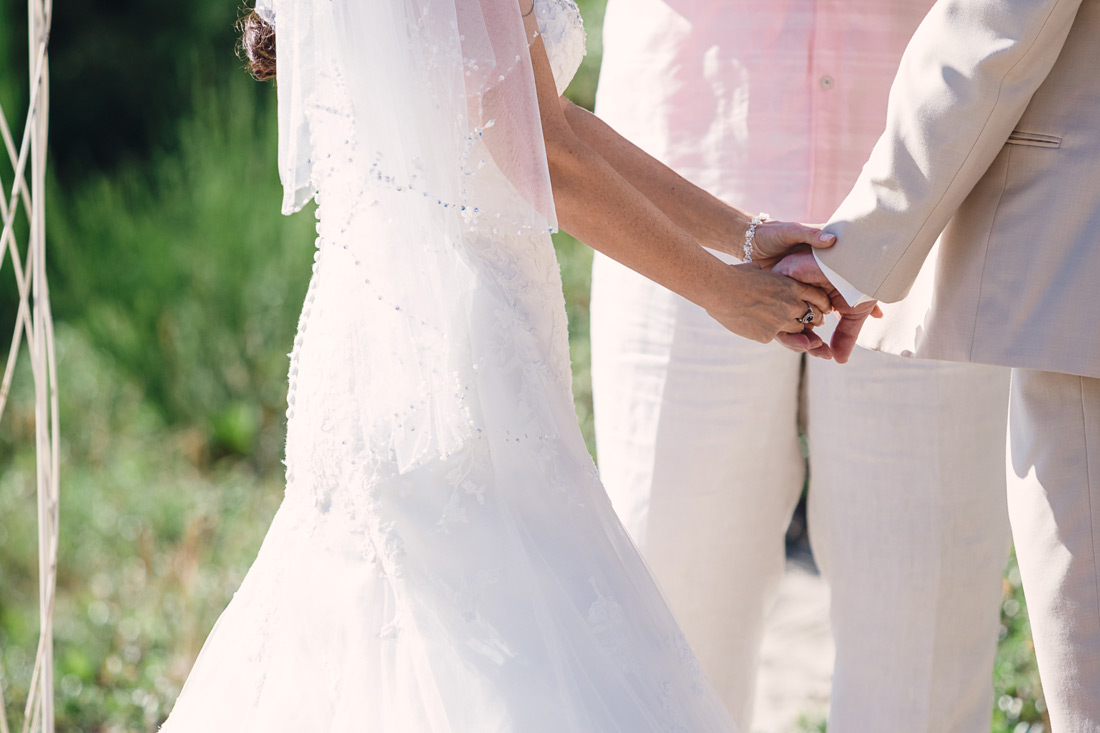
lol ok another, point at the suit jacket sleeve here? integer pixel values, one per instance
(964, 81)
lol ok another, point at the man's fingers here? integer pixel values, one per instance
(877, 312)
(845, 335)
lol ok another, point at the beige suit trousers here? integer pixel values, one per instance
(1054, 504)
(697, 435)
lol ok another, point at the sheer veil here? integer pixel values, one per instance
(447, 131)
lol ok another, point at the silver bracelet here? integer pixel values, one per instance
(750, 234)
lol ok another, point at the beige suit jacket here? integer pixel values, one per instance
(993, 139)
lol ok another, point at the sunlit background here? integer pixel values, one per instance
(176, 287)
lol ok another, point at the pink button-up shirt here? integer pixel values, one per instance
(771, 105)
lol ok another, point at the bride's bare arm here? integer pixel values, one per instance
(713, 222)
(601, 208)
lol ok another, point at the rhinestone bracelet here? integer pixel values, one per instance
(750, 234)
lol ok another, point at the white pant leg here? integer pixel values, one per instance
(1054, 502)
(908, 521)
(697, 439)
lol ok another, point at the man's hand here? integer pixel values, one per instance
(803, 266)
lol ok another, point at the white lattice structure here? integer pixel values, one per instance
(24, 196)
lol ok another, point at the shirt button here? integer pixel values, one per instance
(827, 82)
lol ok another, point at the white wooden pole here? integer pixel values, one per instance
(44, 414)
(28, 187)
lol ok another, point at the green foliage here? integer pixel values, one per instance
(121, 71)
(583, 88)
(576, 275)
(13, 21)
(152, 546)
(12, 102)
(1017, 693)
(811, 724)
(575, 257)
(186, 274)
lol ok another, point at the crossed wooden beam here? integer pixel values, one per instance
(34, 322)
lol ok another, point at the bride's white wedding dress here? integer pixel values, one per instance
(486, 587)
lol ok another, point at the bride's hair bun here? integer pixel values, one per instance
(257, 45)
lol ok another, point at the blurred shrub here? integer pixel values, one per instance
(151, 547)
(576, 275)
(186, 274)
(13, 59)
(13, 87)
(583, 89)
(1018, 704)
(121, 71)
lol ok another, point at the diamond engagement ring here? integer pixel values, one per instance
(808, 318)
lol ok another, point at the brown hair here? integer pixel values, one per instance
(257, 45)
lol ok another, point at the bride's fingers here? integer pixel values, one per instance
(804, 321)
(797, 342)
(845, 336)
(810, 317)
(817, 346)
(790, 233)
(779, 238)
(816, 297)
(815, 342)
(824, 351)
(812, 236)
(806, 342)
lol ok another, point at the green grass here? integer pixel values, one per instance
(1017, 692)
(154, 542)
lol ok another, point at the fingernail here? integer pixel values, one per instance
(826, 237)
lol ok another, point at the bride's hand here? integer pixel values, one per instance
(760, 305)
(776, 239)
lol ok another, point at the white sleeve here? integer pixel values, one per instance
(849, 292)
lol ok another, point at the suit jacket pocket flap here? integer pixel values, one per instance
(1034, 139)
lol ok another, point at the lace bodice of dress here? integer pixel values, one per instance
(562, 31)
